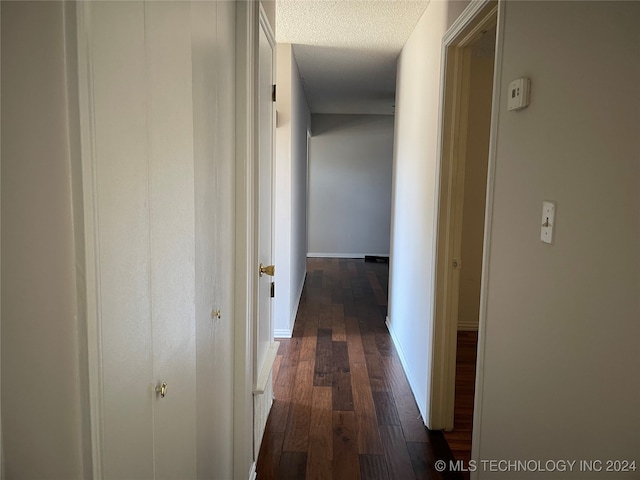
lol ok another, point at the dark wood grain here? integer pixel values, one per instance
(342, 394)
(338, 326)
(346, 462)
(395, 452)
(459, 439)
(320, 454)
(381, 296)
(412, 424)
(293, 466)
(373, 467)
(270, 453)
(364, 406)
(385, 408)
(296, 437)
(377, 378)
(343, 408)
(322, 375)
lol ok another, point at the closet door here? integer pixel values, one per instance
(141, 102)
(172, 244)
(121, 168)
(213, 59)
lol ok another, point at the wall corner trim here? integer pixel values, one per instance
(345, 255)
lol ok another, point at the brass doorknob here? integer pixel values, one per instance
(269, 270)
(162, 389)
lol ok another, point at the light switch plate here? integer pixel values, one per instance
(548, 221)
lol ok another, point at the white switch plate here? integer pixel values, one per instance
(548, 221)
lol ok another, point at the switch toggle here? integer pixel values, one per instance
(548, 221)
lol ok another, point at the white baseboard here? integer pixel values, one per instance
(265, 371)
(287, 332)
(282, 333)
(420, 399)
(345, 255)
(467, 326)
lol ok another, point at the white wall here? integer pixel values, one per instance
(413, 233)
(562, 324)
(300, 122)
(290, 192)
(43, 318)
(350, 166)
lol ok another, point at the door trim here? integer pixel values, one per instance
(478, 16)
(245, 285)
(91, 235)
(261, 372)
(484, 291)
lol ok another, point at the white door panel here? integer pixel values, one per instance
(171, 197)
(213, 58)
(123, 228)
(141, 100)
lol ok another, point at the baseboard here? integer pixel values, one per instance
(344, 255)
(467, 326)
(252, 473)
(420, 399)
(265, 371)
(262, 404)
(284, 332)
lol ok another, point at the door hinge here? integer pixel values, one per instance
(273, 93)
(273, 289)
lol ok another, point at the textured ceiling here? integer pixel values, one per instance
(346, 50)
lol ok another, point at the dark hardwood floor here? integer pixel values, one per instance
(459, 439)
(343, 408)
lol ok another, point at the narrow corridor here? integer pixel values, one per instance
(343, 408)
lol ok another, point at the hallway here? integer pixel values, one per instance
(343, 408)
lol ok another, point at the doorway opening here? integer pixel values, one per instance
(470, 48)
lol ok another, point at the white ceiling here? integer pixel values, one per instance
(346, 50)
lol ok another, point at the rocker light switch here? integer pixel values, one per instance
(548, 221)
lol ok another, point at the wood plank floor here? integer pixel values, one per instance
(459, 439)
(343, 408)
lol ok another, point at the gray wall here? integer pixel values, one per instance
(350, 164)
(290, 192)
(558, 354)
(44, 384)
(300, 120)
(562, 321)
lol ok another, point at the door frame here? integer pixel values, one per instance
(454, 92)
(246, 253)
(261, 372)
(91, 242)
(249, 17)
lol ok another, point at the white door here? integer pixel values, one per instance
(172, 237)
(139, 118)
(264, 330)
(122, 230)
